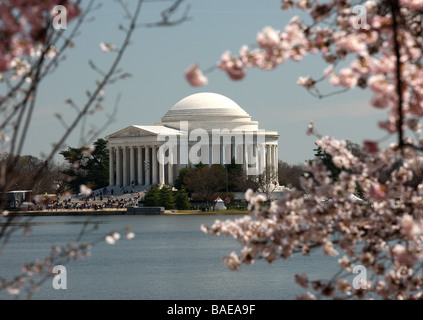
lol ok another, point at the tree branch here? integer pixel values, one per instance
(396, 15)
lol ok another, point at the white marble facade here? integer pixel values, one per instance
(212, 123)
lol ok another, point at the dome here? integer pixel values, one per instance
(208, 110)
(206, 100)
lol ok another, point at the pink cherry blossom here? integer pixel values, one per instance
(129, 235)
(107, 47)
(347, 78)
(377, 192)
(232, 261)
(371, 146)
(302, 280)
(268, 38)
(382, 231)
(409, 226)
(352, 43)
(195, 77)
(403, 256)
(306, 82)
(380, 84)
(328, 70)
(233, 66)
(412, 4)
(25, 25)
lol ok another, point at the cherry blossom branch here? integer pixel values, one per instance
(396, 14)
(98, 89)
(22, 114)
(37, 75)
(51, 41)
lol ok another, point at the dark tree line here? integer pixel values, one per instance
(167, 198)
(24, 175)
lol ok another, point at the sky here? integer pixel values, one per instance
(158, 58)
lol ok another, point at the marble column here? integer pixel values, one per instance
(251, 160)
(227, 154)
(132, 165)
(139, 164)
(276, 159)
(170, 167)
(147, 165)
(118, 167)
(268, 164)
(246, 159)
(262, 157)
(240, 155)
(154, 165)
(161, 169)
(215, 154)
(125, 165)
(257, 158)
(111, 167)
(211, 154)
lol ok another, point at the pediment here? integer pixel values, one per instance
(141, 131)
(131, 132)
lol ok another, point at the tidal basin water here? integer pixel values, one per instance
(169, 258)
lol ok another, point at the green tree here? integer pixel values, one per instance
(182, 200)
(200, 165)
(234, 173)
(151, 198)
(179, 181)
(166, 199)
(98, 165)
(85, 167)
(74, 171)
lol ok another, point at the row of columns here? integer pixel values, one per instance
(252, 156)
(272, 158)
(139, 165)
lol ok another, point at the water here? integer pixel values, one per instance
(169, 258)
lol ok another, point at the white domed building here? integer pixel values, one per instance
(206, 127)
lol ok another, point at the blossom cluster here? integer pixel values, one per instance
(383, 232)
(25, 29)
(366, 51)
(115, 236)
(382, 229)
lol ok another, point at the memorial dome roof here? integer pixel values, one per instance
(207, 101)
(208, 107)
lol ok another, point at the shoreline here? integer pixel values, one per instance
(115, 212)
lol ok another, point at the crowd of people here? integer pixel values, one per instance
(92, 202)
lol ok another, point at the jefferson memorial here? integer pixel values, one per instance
(206, 127)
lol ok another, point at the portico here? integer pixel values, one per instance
(133, 158)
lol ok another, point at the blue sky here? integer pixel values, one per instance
(158, 58)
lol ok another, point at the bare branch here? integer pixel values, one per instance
(167, 16)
